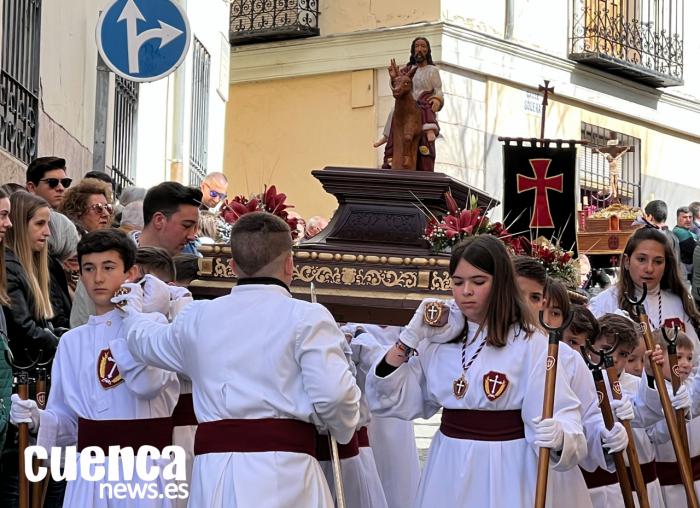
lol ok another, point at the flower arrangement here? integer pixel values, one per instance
(558, 263)
(267, 201)
(458, 224)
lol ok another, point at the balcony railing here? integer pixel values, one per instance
(269, 20)
(639, 39)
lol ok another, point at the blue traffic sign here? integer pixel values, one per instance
(143, 40)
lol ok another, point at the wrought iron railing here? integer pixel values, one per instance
(265, 20)
(639, 39)
(126, 103)
(19, 78)
(199, 128)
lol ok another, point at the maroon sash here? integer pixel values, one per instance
(480, 425)
(156, 432)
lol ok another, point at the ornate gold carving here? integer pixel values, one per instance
(222, 268)
(356, 277)
(441, 282)
(423, 279)
(300, 254)
(206, 266)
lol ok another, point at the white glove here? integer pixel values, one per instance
(623, 408)
(24, 411)
(177, 292)
(548, 433)
(156, 295)
(680, 400)
(129, 298)
(417, 330)
(616, 439)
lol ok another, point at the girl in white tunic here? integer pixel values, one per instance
(489, 382)
(648, 259)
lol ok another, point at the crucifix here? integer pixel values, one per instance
(547, 90)
(541, 184)
(613, 152)
(495, 383)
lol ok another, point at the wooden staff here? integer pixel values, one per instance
(676, 383)
(640, 485)
(641, 317)
(550, 381)
(39, 488)
(609, 420)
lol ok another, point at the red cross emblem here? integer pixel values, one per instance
(495, 384)
(541, 214)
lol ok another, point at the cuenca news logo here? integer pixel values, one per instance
(149, 474)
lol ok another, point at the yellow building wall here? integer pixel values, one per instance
(665, 154)
(342, 16)
(278, 131)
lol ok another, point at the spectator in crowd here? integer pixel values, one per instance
(132, 217)
(315, 225)
(155, 261)
(88, 205)
(695, 280)
(47, 178)
(5, 368)
(186, 268)
(63, 267)
(214, 188)
(656, 213)
(100, 175)
(170, 217)
(694, 208)
(28, 279)
(128, 195)
(687, 240)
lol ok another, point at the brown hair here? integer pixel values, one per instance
(621, 328)
(156, 261)
(35, 264)
(671, 279)
(506, 306)
(583, 321)
(557, 295)
(681, 341)
(258, 239)
(186, 267)
(76, 198)
(4, 299)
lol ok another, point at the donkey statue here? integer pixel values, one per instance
(406, 122)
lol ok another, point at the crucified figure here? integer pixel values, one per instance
(613, 153)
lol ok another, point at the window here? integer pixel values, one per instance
(126, 103)
(199, 130)
(594, 171)
(19, 77)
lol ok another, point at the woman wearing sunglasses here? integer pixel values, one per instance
(88, 205)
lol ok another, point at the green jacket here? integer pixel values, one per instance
(5, 383)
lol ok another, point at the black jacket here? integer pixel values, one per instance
(60, 296)
(23, 329)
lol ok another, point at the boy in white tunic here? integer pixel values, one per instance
(100, 396)
(265, 368)
(489, 380)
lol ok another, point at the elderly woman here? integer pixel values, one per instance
(88, 205)
(63, 267)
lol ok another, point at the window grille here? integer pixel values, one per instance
(126, 103)
(199, 128)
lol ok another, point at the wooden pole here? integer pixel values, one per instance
(23, 439)
(683, 460)
(38, 487)
(676, 383)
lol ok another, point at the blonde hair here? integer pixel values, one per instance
(36, 264)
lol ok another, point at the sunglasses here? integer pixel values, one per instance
(220, 195)
(53, 182)
(99, 208)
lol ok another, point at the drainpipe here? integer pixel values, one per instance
(508, 33)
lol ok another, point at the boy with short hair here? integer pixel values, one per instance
(100, 396)
(619, 330)
(666, 465)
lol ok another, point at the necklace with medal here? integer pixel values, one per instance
(460, 385)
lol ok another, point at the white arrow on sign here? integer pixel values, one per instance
(131, 14)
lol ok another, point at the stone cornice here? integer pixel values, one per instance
(468, 50)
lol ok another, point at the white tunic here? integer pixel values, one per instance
(671, 308)
(393, 440)
(257, 353)
(76, 392)
(674, 495)
(610, 496)
(502, 473)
